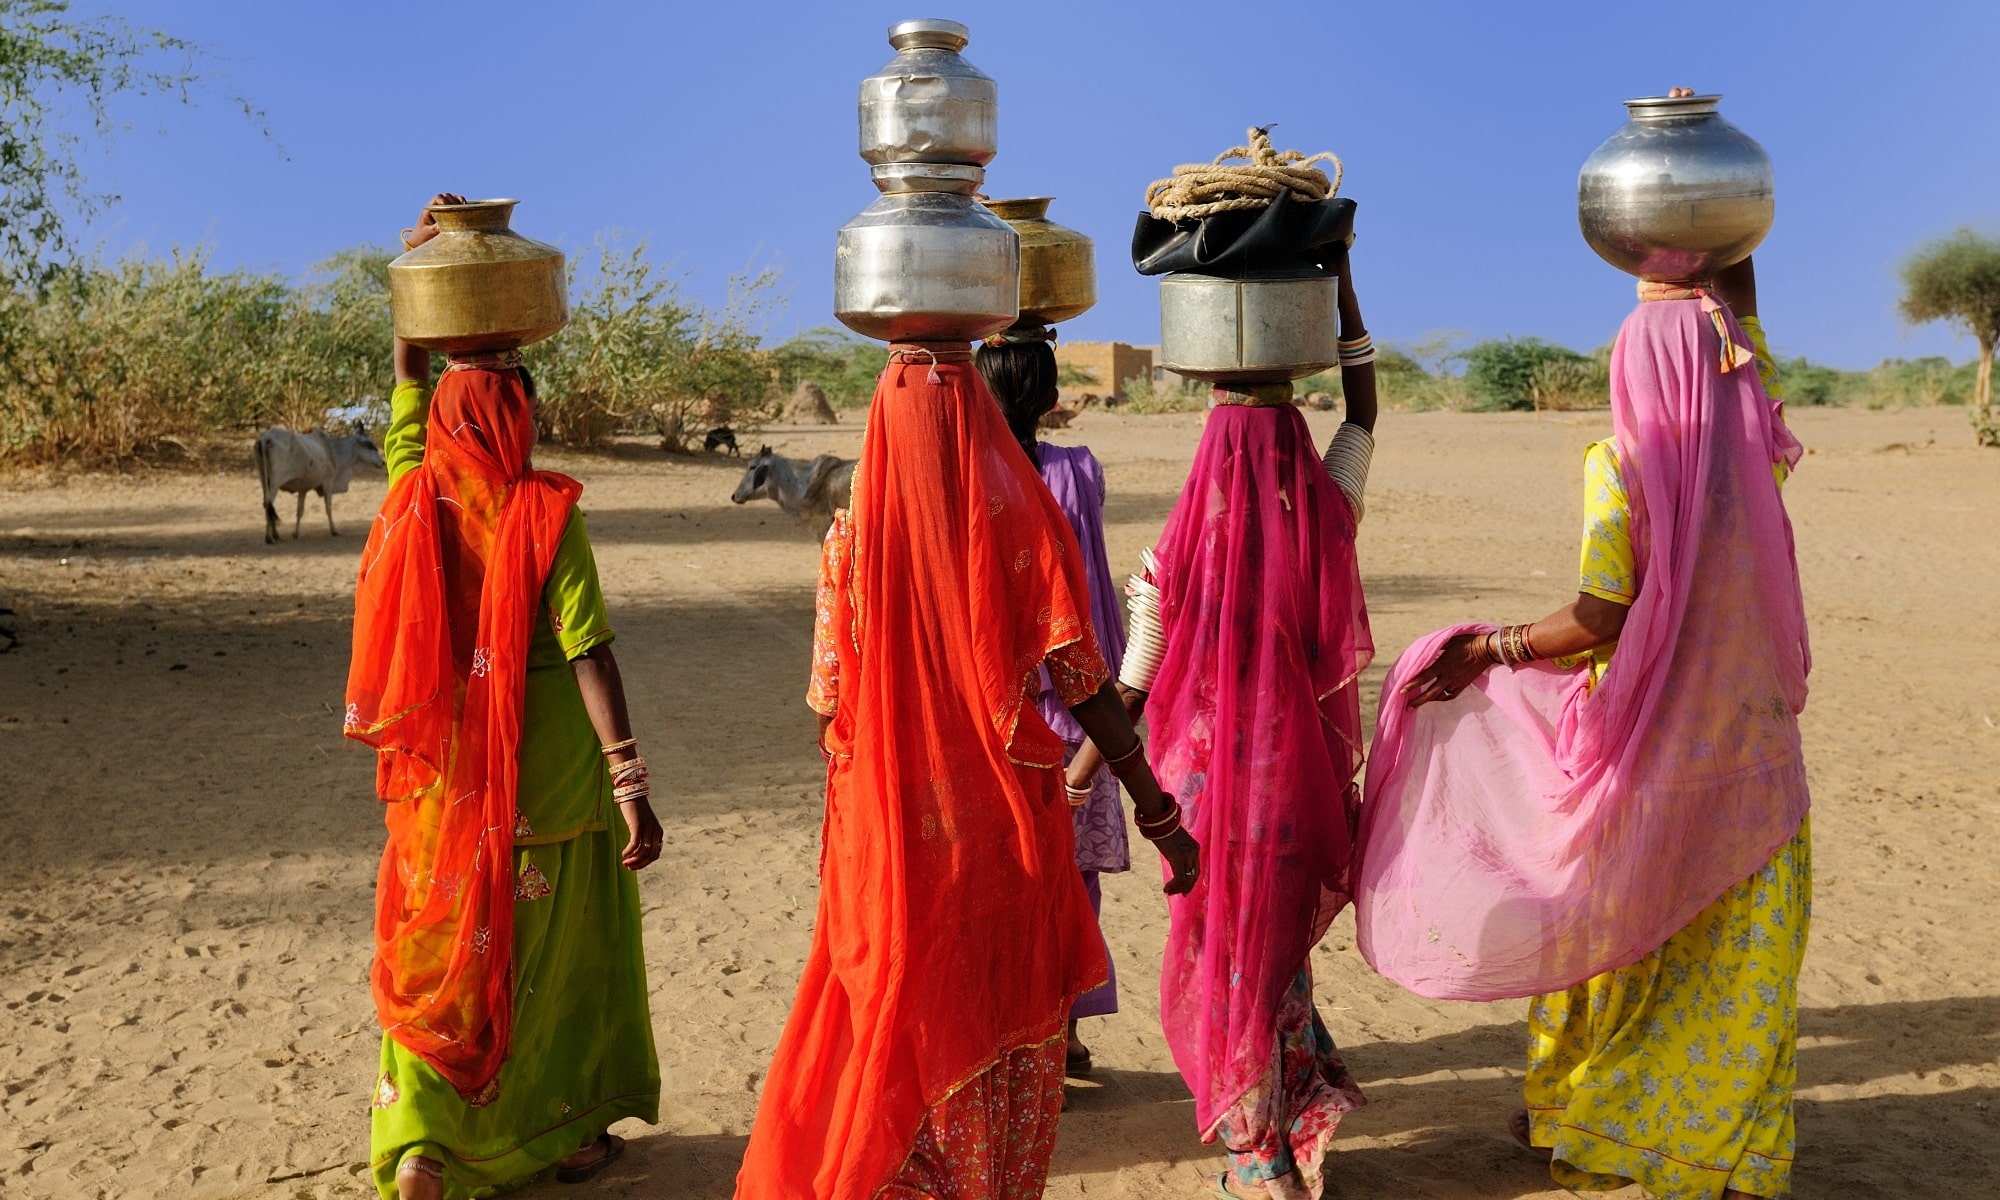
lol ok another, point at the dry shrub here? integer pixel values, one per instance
(1569, 385)
(639, 354)
(1169, 394)
(117, 364)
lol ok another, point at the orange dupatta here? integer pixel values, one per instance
(444, 608)
(952, 923)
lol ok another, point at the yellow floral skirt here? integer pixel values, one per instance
(1677, 1071)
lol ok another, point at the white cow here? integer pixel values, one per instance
(807, 491)
(308, 462)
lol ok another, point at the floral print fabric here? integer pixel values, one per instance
(1277, 1133)
(1677, 1071)
(992, 1138)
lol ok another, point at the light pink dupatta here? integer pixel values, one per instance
(1535, 832)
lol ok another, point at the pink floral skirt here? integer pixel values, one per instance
(1277, 1133)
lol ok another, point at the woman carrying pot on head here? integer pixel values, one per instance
(508, 976)
(1642, 749)
(923, 1056)
(1246, 637)
(1020, 369)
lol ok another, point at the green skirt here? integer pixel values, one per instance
(583, 1038)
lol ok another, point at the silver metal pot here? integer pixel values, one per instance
(1678, 193)
(1264, 330)
(927, 267)
(929, 105)
(956, 178)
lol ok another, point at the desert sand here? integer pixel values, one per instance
(190, 847)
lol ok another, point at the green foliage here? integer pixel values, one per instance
(52, 64)
(1500, 373)
(1069, 375)
(108, 364)
(638, 351)
(1170, 395)
(844, 366)
(1956, 279)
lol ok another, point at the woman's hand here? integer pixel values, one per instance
(1462, 660)
(643, 849)
(1183, 855)
(426, 227)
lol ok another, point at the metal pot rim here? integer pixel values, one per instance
(931, 33)
(1660, 108)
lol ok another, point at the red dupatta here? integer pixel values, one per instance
(952, 925)
(444, 608)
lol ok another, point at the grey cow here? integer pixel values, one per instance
(807, 491)
(308, 462)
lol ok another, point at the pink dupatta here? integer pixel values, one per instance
(1256, 729)
(1535, 832)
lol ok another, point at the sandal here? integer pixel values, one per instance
(584, 1173)
(1076, 1063)
(1218, 1187)
(1523, 1131)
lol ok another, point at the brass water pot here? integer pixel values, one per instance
(478, 285)
(1058, 265)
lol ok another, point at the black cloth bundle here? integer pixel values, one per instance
(1289, 236)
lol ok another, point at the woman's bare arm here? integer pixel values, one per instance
(1105, 720)
(1582, 625)
(603, 691)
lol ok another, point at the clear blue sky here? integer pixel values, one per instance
(724, 133)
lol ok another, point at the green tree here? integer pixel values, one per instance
(638, 348)
(50, 59)
(1501, 372)
(1956, 279)
(844, 366)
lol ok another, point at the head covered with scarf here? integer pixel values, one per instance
(1256, 725)
(445, 605)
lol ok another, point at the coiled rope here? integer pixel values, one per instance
(1203, 189)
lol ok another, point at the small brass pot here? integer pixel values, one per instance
(1058, 265)
(478, 286)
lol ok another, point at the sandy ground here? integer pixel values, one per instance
(190, 847)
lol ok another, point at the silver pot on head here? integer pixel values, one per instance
(1678, 193)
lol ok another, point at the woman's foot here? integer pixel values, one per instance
(1076, 1061)
(420, 1178)
(1523, 1132)
(587, 1162)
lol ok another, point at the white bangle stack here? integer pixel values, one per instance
(1347, 459)
(1145, 643)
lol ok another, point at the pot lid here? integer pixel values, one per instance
(932, 33)
(1654, 108)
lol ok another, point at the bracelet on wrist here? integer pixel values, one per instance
(1138, 748)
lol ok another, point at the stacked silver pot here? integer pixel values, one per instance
(926, 262)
